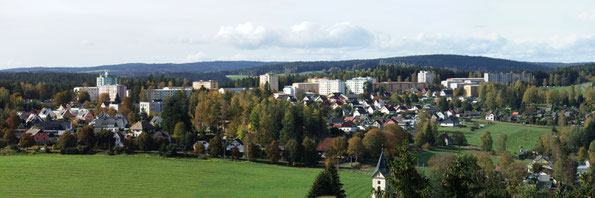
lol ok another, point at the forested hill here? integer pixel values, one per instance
(458, 62)
(143, 69)
(215, 69)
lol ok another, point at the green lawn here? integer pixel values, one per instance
(519, 137)
(140, 175)
(583, 87)
(236, 77)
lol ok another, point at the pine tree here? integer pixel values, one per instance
(404, 178)
(216, 146)
(501, 143)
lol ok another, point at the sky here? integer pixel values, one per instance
(89, 33)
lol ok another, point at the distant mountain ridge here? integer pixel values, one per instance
(144, 69)
(457, 62)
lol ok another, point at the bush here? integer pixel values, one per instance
(235, 153)
(83, 149)
(168, 150)
(69, 151)
(3, 143)
(426, 146)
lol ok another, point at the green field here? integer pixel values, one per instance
(141, 175)
(236, 77)
(519, 137)
(583, 87)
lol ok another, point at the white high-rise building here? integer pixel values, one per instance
(272, 79)
(356, 85)
(425, 76)
(326, 87)
(106, 80)
(113, 91)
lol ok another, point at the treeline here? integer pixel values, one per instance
(455, 62)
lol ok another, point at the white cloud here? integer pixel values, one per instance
(303, 35)
(199, 56)
(87, 43)
(586, 16)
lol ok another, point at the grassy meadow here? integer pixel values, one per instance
(52, 175)
(519, 137)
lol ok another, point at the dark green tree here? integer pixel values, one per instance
(311, 156)
(144, 141)
(216, 146)
(273, 152)
(26, 140)
(293, 152)
(86, 136)
(327, 183)
(66, 140)
(404, 178)
(174, 111)
(463, 178)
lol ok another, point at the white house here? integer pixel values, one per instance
(379, 176)
(490, 116)
(238, 143)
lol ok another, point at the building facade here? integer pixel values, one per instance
(327, 87)
(304, 87)
(272, 79)
(454, 83)
(113, 91)
(151, 107)
(356, 85)
(425, 76)
(471, 90)
(165, 93)
(106, 79)
(210, 85)
(507, 78)
(399, 86)
(93, 92)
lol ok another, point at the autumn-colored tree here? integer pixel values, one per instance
(26, 140)
(66, 140)
(11, 138)
(485, 143)
(273, 152)
(356, 147)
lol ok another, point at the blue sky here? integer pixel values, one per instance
(86, 33)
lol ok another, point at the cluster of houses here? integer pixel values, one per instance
(542, 177)
(46, 125)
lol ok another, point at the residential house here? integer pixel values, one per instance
(324, 145)
(142, 126)
(388, 110)
(39, 136)
(347, 127)
(446, 93)
(161, 134)
(236, 143)
(113, 124)
(55, 128)
(156, 120)
(360, 112)
(450, 122)
(490, 116)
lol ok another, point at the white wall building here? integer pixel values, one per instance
(151, 107)
(379, 182)
(93, 92)
(113, 91)
(165, 93)
(453, 83)
(356, 85)
(326, 87)
(289, 90)
(425, 76)
(272, 79)
(209, 85)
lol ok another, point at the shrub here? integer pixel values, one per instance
(168, 150)
(70, 150)
(3, 143)
(426, 146)
(235, 153)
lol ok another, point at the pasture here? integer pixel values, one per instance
(51, 175)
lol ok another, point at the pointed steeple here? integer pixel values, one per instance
(382, 165)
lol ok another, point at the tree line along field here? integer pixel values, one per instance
(150, 176)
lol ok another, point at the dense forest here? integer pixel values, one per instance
(456, 62)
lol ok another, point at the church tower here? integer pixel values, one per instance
(380, 173)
